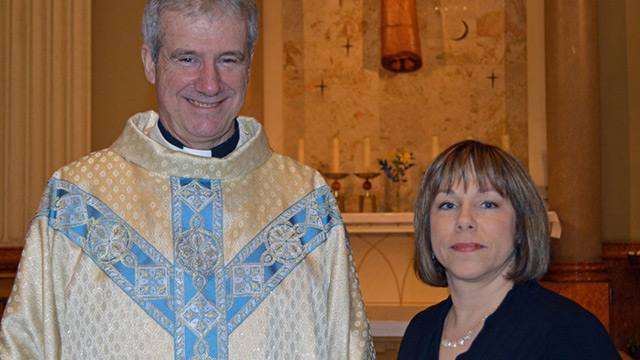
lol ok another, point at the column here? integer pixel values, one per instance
(573, 143)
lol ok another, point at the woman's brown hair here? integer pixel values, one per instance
(492, 168)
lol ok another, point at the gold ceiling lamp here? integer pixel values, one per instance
(400, 36)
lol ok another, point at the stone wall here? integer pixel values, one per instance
(335, 85)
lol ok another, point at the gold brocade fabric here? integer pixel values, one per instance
(140, 252)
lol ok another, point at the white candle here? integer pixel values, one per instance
(301, 150)
(335, 155)
(435, 146)
(367, 153)
(505, 142)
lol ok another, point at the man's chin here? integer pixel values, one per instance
(213, 133)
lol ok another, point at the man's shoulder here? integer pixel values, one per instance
(295, 168)
(98, 161)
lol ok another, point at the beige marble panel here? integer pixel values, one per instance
(452, 96)
(385, 269)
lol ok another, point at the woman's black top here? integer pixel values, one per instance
(531, 323)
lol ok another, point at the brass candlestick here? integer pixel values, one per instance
(367, 201)
(335, 187)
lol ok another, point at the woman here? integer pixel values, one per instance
(482, 230)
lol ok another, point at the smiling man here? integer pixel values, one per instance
(201, 74)
(188, 238)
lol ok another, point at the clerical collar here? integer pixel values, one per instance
(218, 151)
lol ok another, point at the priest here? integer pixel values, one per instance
(188, 238)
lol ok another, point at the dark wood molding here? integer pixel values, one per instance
(587, 271)
(591, 271)
(9, 260)
(618, 250)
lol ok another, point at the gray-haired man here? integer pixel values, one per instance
(188, 238)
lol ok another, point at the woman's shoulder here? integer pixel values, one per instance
(553, 306)
(570, 328)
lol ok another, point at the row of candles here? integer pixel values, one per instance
(366, 143)
(335, 153)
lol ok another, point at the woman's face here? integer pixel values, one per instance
(472, 233)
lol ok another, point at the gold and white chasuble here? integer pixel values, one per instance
(140, 252)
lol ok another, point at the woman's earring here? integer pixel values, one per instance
(433, 256)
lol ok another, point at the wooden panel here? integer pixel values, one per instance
(625, 291)
(387, 347)
(9, 259)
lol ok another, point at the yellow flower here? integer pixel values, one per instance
(405, 157)
(396, 164)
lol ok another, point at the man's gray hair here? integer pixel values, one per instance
(153, 11)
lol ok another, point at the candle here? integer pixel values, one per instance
(367, 153)
(505, 142)
(335, 155)
(301, 150)
(435, 146)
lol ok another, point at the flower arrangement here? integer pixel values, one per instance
(396, 164)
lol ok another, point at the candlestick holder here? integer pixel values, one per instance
(335, 186)
(367, 201)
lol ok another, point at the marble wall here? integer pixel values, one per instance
(335, 86)
(390, 288)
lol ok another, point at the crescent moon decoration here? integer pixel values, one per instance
(464, 34)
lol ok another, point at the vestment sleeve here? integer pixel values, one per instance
(349, 334)
(30, 326)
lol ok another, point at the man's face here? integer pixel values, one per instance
(201, 76)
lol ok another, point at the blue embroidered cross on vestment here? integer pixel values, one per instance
(198, 297)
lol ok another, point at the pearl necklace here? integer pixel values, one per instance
(446, 343)
(455, 343)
